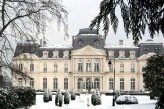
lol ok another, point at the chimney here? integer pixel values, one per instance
(120, 42)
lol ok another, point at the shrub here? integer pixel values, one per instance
(66, 97)
(46, 96)
(96, 98)
(50, 95)
(160, 102)
(59, 99)
(73, 95)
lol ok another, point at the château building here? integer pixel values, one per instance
(84, 65)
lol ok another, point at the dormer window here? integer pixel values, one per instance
(66, 54)
(45, 55)
(55, 54)
(157, 50)
(121, 54)
(111, 54)
(132, 54)
(145, 50)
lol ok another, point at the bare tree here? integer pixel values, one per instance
(136, 15)
(22, 19)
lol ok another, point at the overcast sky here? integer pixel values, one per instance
(81, 13)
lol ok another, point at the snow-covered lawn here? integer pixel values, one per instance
(144, 102)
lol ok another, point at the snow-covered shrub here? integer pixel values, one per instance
(96, 98)
(126, 99)
(66, 97)
(16, 97)
(58, 99)
(160, 102)
(46, 96)
(50, 95)
(3, 101)
(73, 95)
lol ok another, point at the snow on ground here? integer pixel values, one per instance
(144, 102)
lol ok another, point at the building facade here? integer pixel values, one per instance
(84, 65)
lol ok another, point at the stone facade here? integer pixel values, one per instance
(84, 66)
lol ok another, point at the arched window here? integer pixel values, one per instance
(79, 83)
(97, 83)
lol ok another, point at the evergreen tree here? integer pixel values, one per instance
(136, 15)
(154, 75)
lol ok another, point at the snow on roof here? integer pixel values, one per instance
(58, 46)
(119, 46)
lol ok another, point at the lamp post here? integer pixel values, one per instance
(110, 63)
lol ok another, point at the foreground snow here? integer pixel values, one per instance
(144, 102)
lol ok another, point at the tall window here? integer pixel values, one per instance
(88, 84)
(20, 82)
(96, 83)
(31, 67)
(44, 83)
(55, 85)
(79, 83)
(132, 83)
(96, 67)
(21, 67)
(65, 67)
(80, 67)
(121, 83)
(111, 67)
(55, 67)
(132, 67)
(88, 67)
(65, 83)
(121, 67)
(32, 82)
(45, 68)
(110, 83)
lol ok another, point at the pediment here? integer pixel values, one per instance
(88, 51)
(146, 56)
(26, 56)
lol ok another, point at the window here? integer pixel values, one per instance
(121, 54)
(96, 67)
(88, 84)
(55, 54)
(66, 54)
(20, 67)
(111, 54)
(80, 67)
(65, 83)
(132, 84)
(65, 67)
(79, 83)
(45, 68)
(111, 67)
(111, 83)
(45, 54)
(55, 85)
(122, 84)
(88, 67)
(44, 83)
(20, 82)
(55, 67)
(132, 67)
(31, 67)
(96, 83)
(32, 82)
(132, 54)
(121, 67)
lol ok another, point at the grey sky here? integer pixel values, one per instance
(81, 12)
